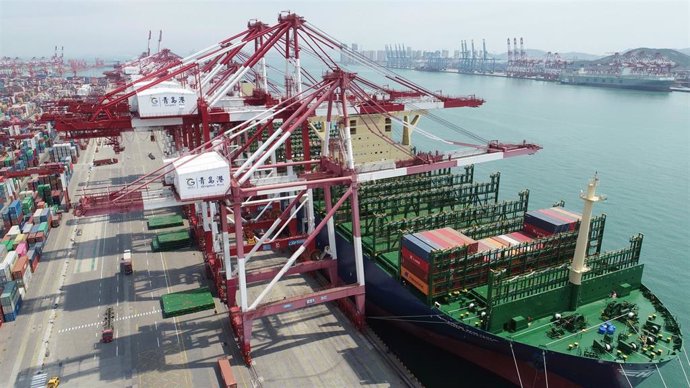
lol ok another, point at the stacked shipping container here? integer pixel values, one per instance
(28, 215)
(11, 301)
(416, 263)
(429, 259)
(546, 222)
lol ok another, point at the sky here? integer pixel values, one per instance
(110, 29)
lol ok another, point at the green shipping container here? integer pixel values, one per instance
(170, 240)
(187, 302)
(165, 222)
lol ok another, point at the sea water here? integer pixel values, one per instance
(637, 142)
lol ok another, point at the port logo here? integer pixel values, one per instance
(191, 182)
(170, 101)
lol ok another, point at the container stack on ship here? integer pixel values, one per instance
(319, 175)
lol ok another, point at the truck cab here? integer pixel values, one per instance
(126, 262)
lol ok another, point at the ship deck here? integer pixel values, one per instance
(535, 311)
(581, 342)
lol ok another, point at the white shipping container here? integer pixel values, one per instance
(5, 272)
(167, 101)
(26, 279)
(84, 90)
(14, 230)
(11, 259)
(129, 70)
(207, 175)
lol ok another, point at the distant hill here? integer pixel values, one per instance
(681, 60)
(685, 51)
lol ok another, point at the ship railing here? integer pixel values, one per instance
(425, 201)
(616, 260)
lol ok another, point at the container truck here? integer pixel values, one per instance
(126, 262)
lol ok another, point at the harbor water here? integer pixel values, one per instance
(639, 144)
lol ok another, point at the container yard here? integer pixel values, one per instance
(198, 223)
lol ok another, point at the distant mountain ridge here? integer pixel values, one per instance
(677, 56)
(680, 57)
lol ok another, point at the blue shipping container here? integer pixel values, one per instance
(418, 247)
(428, 242)
(545, 222)
(12, 316)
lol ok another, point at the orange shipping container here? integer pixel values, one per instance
(226, 373)
(415, 281)
(20, 267)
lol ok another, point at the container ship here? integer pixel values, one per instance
(623, 80)
(528, 295)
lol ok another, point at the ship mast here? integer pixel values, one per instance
(578, 267)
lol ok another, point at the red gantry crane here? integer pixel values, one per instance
(242, 182)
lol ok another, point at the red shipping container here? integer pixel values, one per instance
(459, 239)
(520, 237)
(535, 231)
(434, 237)
(557, 215)
(408, 255)
(482, 247)
(34, 264)
(552, 212)
(568, 213)
(409, 265)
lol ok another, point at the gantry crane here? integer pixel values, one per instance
(262, 186)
